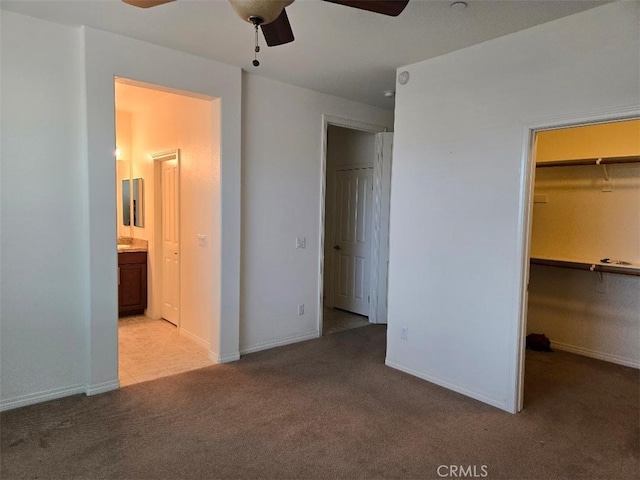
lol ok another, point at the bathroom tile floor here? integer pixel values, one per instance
(150, 349)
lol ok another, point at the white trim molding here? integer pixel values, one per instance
(44, 396)
(102, 387)
(194, 338)
(607, 357)
(530, 128)
(353, 125)
(217, 358)
(279, 343)
(464, 390)
(166, 156)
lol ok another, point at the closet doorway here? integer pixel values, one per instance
(584, 275)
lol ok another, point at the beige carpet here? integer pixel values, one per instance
(330, 408)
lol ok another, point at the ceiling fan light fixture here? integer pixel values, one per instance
(259, 12)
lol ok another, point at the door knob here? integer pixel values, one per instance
(337, 247)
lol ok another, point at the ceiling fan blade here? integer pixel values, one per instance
(146, 3)
(392, 8)
(279, 31)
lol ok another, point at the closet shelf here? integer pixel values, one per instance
(591, 266)
(590, 161)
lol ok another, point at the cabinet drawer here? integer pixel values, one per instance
(132, 257)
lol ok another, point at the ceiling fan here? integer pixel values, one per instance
(271, 16)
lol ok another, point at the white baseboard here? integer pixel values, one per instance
(451, 386)
(102, 387)
(44, 396)
(194, 338)
(278, 343)
(230, 357)
(607, 357)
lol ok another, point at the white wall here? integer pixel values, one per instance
(458, 205)
(185, 123)
(43, 219)
(123, 168)
(107, 55)
(60, 337)
(59, 297)
(345, 146)
(610, 139)
(570, 307)
(581, 222)
(281, 199)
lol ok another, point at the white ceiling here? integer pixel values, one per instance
(338, 50)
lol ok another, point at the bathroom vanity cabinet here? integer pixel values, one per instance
(132, 283)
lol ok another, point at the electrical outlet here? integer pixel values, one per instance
(301, 309)
(202, 240)
(404, 333)
(301, 242)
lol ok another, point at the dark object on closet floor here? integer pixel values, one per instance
(538, 342)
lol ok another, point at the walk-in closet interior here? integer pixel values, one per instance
(584, 290)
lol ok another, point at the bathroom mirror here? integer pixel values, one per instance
(138, 202)
(126, 202)
(133, 202)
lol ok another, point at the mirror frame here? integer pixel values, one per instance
(126, 202)
(137, 202)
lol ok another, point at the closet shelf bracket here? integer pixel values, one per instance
(604, 169)
(593, 268)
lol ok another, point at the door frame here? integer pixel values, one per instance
(158, 159)
(377, 178)
(527, 181)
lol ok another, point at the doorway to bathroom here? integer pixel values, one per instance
(165, 144)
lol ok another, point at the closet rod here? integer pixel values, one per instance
(590, 161)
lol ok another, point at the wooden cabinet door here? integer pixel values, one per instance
(132, 286)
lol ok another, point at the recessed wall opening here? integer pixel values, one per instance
(165, 166)
(584, 273)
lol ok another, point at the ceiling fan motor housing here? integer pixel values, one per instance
(259, 12)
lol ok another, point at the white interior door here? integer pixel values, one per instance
(380, 245)
(352, 239)
(170, 241)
